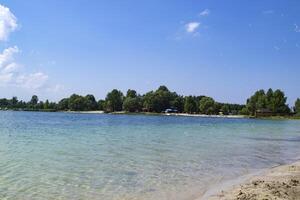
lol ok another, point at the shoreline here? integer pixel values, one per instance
(203, 115)
(163, 114)
(84, 112)
(279, 182)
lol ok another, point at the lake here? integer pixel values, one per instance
(114, 157)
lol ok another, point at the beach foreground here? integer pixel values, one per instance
(282, 182)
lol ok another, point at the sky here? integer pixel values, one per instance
(223, 49)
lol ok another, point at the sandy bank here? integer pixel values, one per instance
(202, 115)
(86, 112)
(280, 183)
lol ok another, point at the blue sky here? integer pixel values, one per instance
(223, 49)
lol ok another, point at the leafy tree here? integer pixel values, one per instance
(77, 103)
(225, 109)
(131, 93)
(34, 100)
(148, 103)
(90, 102)
(14, 102)
(178, 103)
(63, 104)
(244, 111)
(159, 100)
(190, 105)
(46, 105)
(114, 101)
(256, 102)
(101, 104)
(273, 101)
(132, 104)
(297, 107)
(207, 105)
(279, 102)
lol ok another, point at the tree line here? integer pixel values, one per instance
(158, 101)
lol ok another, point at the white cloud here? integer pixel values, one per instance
(205, 12)
(10, 71)
(5, 78)
(56, 88)
(8, 23)
(297, 28)
(7, 56)
(7, 65)
(32, 81)
(10, 68)
(191, 27)
(11, 75)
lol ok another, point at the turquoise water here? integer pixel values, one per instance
(112, 157)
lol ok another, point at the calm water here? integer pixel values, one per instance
(112, 157)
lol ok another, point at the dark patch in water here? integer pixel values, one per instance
(294, 139)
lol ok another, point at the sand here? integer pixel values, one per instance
(278, 183)
(86, 112)
(202, 115)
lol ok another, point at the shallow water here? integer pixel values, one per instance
(112, 157)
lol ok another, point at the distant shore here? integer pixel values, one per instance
(282, 182)
(157, 114)
(85, 112)
(202, 115)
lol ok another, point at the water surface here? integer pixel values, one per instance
(113, 157)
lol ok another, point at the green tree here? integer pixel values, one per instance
(90, 102)
(297, 107)
(207, 106)
(77, 103)
(178, 103)
(244, 111)
(46, 104)
(34, 100)
(101, 104)
(148, 103)
(225, 109)
(131, 93)
(159, 100)
(279, 102)
(273, 101)
(132, 102)
(190, 105)
(63, 104)
(114, 101)
(256, 101)
(14, 102)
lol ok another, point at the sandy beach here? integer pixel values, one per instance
(86, 112)
(282, 182)
(203, 115)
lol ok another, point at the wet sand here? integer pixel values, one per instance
(278, 183)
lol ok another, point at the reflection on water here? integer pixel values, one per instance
(86, 156)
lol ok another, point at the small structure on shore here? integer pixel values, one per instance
(171, 110)
(264, 112)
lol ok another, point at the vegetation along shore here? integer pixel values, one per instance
(261, 104)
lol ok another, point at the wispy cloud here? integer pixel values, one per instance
(268, 12)
(277, 48)
(8, 23)
(191, 27)
(11, 72)
(205, 12)
(297, 28)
